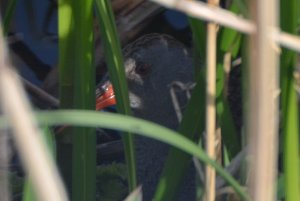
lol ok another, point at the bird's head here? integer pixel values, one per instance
(152, 63)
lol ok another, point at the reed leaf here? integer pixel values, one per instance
(11, 7)
(114, 59)
(229, 42)
(77, 90)
(289, 19)
(199, 40)
(136, 126)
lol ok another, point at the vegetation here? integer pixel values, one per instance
(76, 37)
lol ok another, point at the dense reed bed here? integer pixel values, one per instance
(260, 34)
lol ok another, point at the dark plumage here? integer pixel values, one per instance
(152, 64)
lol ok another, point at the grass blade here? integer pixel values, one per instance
(10, 9)
(229, 43)
(199, 40)
(136, 126)
(289, 105)
(116, 70)
(77, 90)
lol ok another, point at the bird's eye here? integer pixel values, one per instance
(143, 69)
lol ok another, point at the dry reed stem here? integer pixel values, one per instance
(40, 93)
(210, 173)
(287, 40)
(226, 18)
(203, 11)
(262, 118)
(36, 158)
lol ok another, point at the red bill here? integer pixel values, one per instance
(105, 96)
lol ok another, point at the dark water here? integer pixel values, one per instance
(28, 19)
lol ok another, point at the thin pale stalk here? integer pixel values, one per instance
(32, 149)
(210, 174)
(286, 40)
(203, 11)
(28, 190)
(263, 102)
(226, 18)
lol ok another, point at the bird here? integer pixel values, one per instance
(152, 64)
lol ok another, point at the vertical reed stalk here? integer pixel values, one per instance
(114, 59)
(229, 44)
(289, 103)
(77, 90)
(210, 177)
(28, 190)
(262, 119)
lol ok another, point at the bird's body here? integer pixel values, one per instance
(152, 64)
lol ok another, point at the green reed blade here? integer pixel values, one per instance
(116, 70)
(10, 9)
(289, 104)
(136, 126)
(77, 90)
